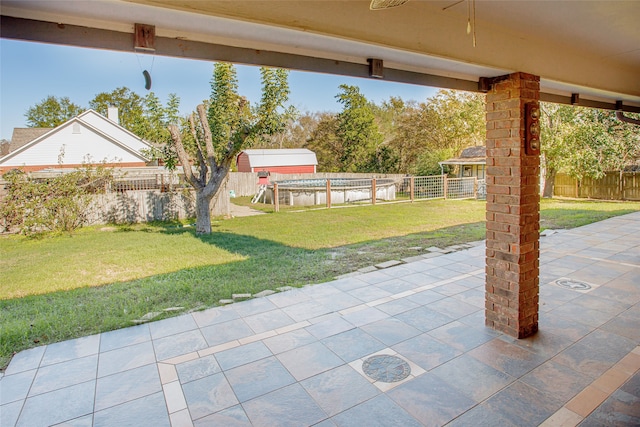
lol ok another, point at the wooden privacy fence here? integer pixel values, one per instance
(613, 186)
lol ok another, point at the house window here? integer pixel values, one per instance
(467, 171)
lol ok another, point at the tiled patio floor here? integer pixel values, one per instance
(295, 358)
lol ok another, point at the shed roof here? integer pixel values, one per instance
(280, 157)
(469, 156)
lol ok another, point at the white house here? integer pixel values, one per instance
(86, 138)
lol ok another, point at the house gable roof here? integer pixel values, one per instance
(98, 124)
(280, 157)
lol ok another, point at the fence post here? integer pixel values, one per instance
(373, 191)
(328, 193)
(276, 198)
(475, 187)
(412, 187)
(445, 185)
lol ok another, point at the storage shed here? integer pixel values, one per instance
(292, 160)
(472, 162)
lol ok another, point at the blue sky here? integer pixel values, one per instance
(29, 72)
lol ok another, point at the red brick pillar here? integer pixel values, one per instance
(513, 209)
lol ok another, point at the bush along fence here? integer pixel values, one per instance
(341, 191)
(612, 186)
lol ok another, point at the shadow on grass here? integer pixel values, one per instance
(57, 316)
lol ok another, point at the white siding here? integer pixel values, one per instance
(110, 128)
(76, 147)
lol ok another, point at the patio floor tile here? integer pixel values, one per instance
(508, 358)
(10, 412)
(221, 333)
(64, 374)
(523, 405)
(258, 378)
(179, 344)
(217, 315)
(26, 360)
(557, 380)
(424, 318)
(124, 337)
(174, 325)
(208, 395)
(431, 400)
(125, 386)
(465, 370)
(58, 406)
(197, 369)
(461, 336)
(353, 344)
(268, 320)
(148, 410)
(238, 356)
(331, 326)
(304, 362)
(426, 352)
(230, 417)
(380, 411)
(16, 386)
(481, 416)
(339, 389)
(289, 340)
(72, 349)
(391, 331)
(122, 359)
(288, 407)
(595, 353)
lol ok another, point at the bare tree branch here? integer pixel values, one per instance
(184, 157)
(201, 160)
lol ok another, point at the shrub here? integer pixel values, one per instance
(57, 204)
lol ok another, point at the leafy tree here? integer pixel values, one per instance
(156, 118)
(222, 131)
(357, 130)
(52, 112)
(584, 142)
(130, 108)
(325, 143)
(438, 129)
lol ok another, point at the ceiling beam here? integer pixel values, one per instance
(95, 38)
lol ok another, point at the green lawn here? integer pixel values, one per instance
(101, 278)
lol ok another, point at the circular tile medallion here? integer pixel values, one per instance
(386, 368)
(575, 285)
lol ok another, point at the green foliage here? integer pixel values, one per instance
(52, 112)
(325, 143)
(357, 131)
(130, 108)
(586, 142)
(58, 204)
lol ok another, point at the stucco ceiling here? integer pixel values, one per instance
(586, 47)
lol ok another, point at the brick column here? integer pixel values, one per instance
(513, 209)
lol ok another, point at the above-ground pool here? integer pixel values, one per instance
(308, 192)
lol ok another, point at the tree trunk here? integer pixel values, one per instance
(549, 182)
(203, 212)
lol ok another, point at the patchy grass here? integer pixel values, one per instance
(102, 278)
